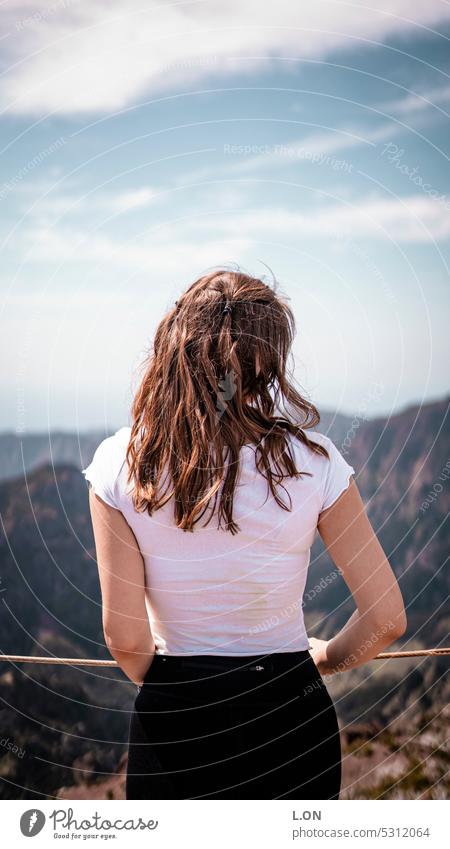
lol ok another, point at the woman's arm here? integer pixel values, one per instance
(379, 618)
(122, 580)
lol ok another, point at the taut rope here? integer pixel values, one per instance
(83, 661)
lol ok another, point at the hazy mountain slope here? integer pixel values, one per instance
(20, 453)
(403, 471)
(72, 724)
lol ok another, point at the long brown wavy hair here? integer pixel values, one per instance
(212, 383)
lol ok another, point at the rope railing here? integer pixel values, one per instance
(83, 661)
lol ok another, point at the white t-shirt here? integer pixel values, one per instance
(209, 592)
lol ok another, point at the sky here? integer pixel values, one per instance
(143, 145)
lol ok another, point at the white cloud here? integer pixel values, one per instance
(95, 57)
(410, 219)
(314, 145)
(163, 255)
(134, 199)
(418, 101)
(55, 203)
(205, 241)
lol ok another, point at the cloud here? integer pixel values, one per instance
(206, 241)
(416, 219)
(134, 199)
(418, 101)
(71, 57)
(313, 147)
(55, 204)
(162, 255)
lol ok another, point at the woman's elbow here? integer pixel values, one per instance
(400, 624)
(125, 642)
(387, 617)
(393, 624)
(389, 610)
(399, 620)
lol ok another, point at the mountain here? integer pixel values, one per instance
(47, 562)
(402, 470)
(71, 723)
(20, 453)
(60, 725)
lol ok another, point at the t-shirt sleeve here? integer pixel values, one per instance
(337, 477)
(102, 472)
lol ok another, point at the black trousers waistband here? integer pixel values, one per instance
(224, 661)
(225, 667)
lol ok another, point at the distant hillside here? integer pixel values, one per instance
(403, 471)
(47, 555)
(25, 452)
(47, 561)
(72, 724)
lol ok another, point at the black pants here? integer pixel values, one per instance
(222, 727)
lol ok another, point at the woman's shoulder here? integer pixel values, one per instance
(335, 457)
(122, 435)
(302, 451)
(334, 470)
(113, 447)
(104, 469)
(314, 436)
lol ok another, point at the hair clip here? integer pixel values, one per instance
(227, 307)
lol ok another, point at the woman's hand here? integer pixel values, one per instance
(318, 652)
(148, 669)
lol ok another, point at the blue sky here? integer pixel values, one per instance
(141, 147)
